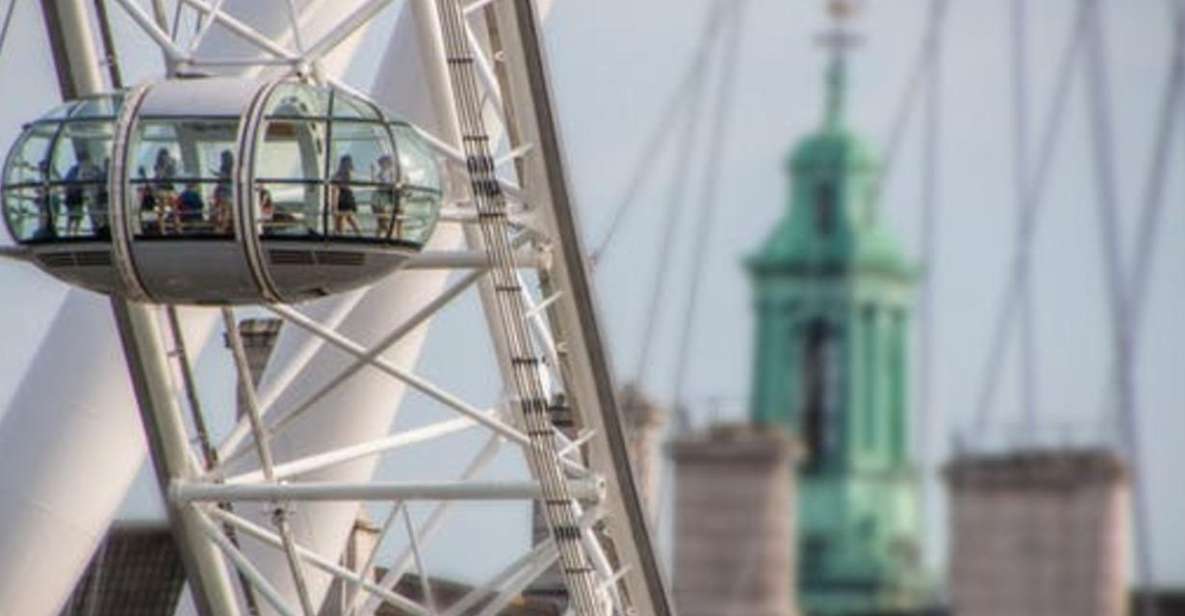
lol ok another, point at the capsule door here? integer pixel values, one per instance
(182, 195)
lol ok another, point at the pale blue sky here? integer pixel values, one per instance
(615, 61)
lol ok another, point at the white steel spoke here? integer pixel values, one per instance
(411, 324)
(257, 580)
(276, 386)
(294, 22)
(346, 28)
(205, 27)
(544, 551)
(517, 584)
(430, 525)
(351, 604)
(417, 382)
(149, 26)
(425, 586)
(320, 562)
(342, 455)
(280, 516)
(241, 30)
(485, 71)
(182, 492)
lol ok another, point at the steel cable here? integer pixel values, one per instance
(709, 201)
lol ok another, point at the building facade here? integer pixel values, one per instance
(832, 295)
(1039, 533)
(734, 522)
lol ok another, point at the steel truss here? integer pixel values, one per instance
(525, 263)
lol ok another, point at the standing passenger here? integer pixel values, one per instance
(386, 200)
(343, 204)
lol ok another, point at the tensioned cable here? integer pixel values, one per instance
(7, 22)
(917, 76)
(1109, 228)
(932, 137)
(1140, 269)
(1020, 94)
(1054, 121)
(672, 216)
(691, 82)
(709, 204)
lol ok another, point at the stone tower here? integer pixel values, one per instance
(734, 522)
(645, 423)
(1039, 532)
(259, 340)
(832, 293)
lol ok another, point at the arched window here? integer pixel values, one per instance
(820, 383)
(825, 206)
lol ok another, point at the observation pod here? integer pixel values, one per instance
(221, 191)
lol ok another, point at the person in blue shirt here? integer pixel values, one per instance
(189, 206)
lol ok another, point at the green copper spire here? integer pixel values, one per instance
(832, 297)
(837, 86)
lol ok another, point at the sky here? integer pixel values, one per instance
(614, 64)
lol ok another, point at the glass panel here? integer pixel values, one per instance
(60, 111)
(30, 214)
(363, 156)
(418, 212)
(194, 158)
(295, 99)
(45, 213)
(292, 150)
(417, 161)
(289, 209)
(83, 152)
(364, 144)
(346, 106)
(29, 162)
(101, 106)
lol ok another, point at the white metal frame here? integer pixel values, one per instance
(203, 482)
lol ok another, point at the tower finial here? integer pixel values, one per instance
(838, 40)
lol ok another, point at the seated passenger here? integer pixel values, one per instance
(189, 206)
(386, 200)
(342, 201)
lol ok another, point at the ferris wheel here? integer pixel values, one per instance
(251, 178)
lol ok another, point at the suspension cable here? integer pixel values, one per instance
(7, 22)
(709, 204)
(1109, 228)
(672, 216)
(691, 84)
(1054, 122)
(913, 87)
(931, 142)
(1020, 93)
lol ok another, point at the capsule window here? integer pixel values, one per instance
(183, 178)
(362, 182)
(420, 187)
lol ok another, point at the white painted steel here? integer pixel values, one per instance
(73, 410)
(584, 489)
